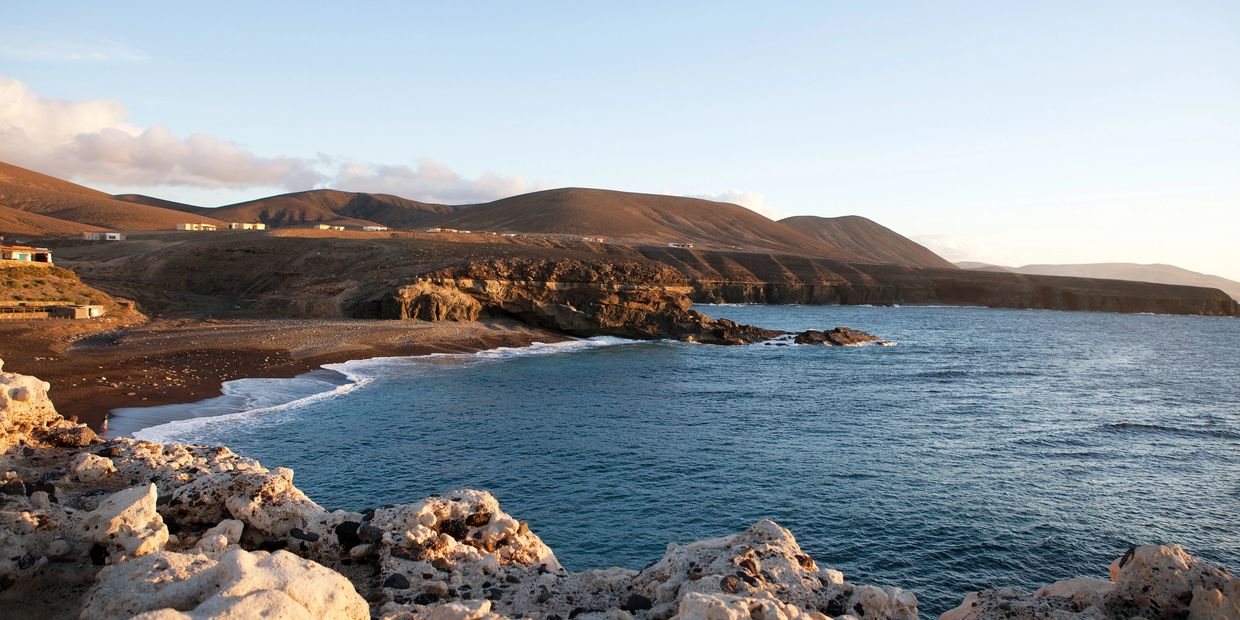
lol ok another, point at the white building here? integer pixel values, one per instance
(196, 226)
(103, 236)
(246, 226)
(374, 228)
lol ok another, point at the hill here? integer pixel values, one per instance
(1157, 273)
(152, 201)
(329, 206)
(16, 221)
(29, 191)
(639, 218)
(867, 239)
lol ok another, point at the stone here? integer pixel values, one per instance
(127, 521)
(266, 502)
(239, 584)
(88, 467)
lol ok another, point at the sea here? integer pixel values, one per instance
(986, 448)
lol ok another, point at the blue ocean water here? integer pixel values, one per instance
(988, 448)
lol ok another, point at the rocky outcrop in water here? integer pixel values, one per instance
(125, 528)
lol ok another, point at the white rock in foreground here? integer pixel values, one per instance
(127, 521)
(240, 584)
(1153, 582)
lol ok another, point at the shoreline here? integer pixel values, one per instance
(179, 361)
(244, 397)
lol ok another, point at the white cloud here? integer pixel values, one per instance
(94, 142)
(750, 200)
(429, 181)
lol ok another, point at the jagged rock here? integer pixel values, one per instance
(698, 606)
(24, 407)
(1153, 582)
(226, 533)
(72, 436)
(763, 561)
(127, 522)
(840, 336)
(267, 502)
(583, 298)
(240, 584)
(89, 467)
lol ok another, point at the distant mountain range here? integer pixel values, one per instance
(37, 204)
(1156, 273)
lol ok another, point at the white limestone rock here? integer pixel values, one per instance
(89, 468)
(239, 584)
(267, 502)
(24, 408)
(1153, 582)
(698, 606)
(127, 522)
(764, 561)
(226, 533)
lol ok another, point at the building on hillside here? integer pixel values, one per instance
(374, 228)
(103, 236)
(196, 226)
(329, 227)
(680, 245)
(24, 254)
(76, 312)
(247, 226)
(445, 230)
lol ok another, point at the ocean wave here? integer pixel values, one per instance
(1145, 427)
(242, 394)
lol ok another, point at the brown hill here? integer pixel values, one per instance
(329, 206)
(29, 191)
(639, 218)
(867, 239)
(18, 222)
(1157, 273)
(152, 201)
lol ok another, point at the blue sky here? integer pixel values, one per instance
(1008, 132)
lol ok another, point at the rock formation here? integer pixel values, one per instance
(124, 528)
(1153, 582)
(581, 298)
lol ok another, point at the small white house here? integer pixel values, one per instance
(194, 226)
(247, 226)
(374, 228)
(680, 245)
(103, 236)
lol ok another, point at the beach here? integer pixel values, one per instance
(184, 360)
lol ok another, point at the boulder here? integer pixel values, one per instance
(89, 467)
(239, 584)
(24, 408)
(266, 502)
(127, 522)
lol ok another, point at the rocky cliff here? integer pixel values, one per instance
(131, 529)
(582, 298)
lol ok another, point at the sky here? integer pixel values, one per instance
(1011, 133)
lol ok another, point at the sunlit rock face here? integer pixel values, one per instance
(1154, 582)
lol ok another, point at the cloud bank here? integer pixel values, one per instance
(94, 142)
(750, 200)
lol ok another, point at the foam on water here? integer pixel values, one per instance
(257, 401)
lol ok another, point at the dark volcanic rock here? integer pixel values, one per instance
(840, 336)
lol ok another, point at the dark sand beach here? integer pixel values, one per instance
(184, 360)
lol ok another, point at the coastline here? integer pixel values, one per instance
(168, 362)
(253, 396)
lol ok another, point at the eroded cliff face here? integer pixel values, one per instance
(627, 299)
